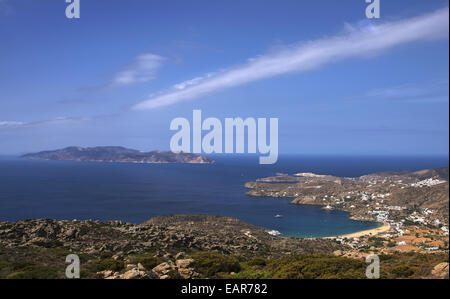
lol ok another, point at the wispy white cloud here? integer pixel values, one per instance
(401, 91)
(433, 91)
(183, 85)
(9, 124)
(356, 41)
(143, 69)
(193, 82)
(5, 124)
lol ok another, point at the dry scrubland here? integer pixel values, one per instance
(189, 246)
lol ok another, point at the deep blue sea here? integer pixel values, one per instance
(137, 192)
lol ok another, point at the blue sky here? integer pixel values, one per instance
(338, 82)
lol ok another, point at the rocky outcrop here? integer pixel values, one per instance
(131, 272)
(152, 250)
(180, 269)
(163, 269)
(166, 235)
(441, 271)
(186, 269)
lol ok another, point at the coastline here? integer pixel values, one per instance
(370, 232)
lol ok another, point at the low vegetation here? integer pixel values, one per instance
(410, 265)
(49, 263)
(212, 264)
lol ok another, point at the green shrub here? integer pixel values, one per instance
(403, 271)
(252, 274)
(257, 262)
(106, 264)
(318, 267)
(5, 265)
(211, 263)
(173, 274)
(35, 272)
(49, 244)
(149, 262)
(391, 244)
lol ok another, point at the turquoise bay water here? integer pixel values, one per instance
(137, 192)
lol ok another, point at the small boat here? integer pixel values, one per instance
(274, 233)
(278, 216)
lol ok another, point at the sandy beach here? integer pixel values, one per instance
(370, 232)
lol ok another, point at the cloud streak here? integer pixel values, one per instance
(358, 42)
(143, 69)
(57, 121)
(10, 124)
(435, 91)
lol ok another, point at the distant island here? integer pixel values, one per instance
(117, 154)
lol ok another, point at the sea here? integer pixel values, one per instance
(134, 193)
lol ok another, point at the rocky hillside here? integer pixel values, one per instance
(122, 250)
(116, 154)
(185, 246)
(164, 234)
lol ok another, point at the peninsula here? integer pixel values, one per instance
(413, 207)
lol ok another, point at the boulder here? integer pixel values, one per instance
(441, 271)
(140, 267)
(163, 269)
(105, 274)
(185, 263)
(180, 255)
(185, 268)
(133, 274)
(130, 266)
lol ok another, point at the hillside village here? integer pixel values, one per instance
(413, 206)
